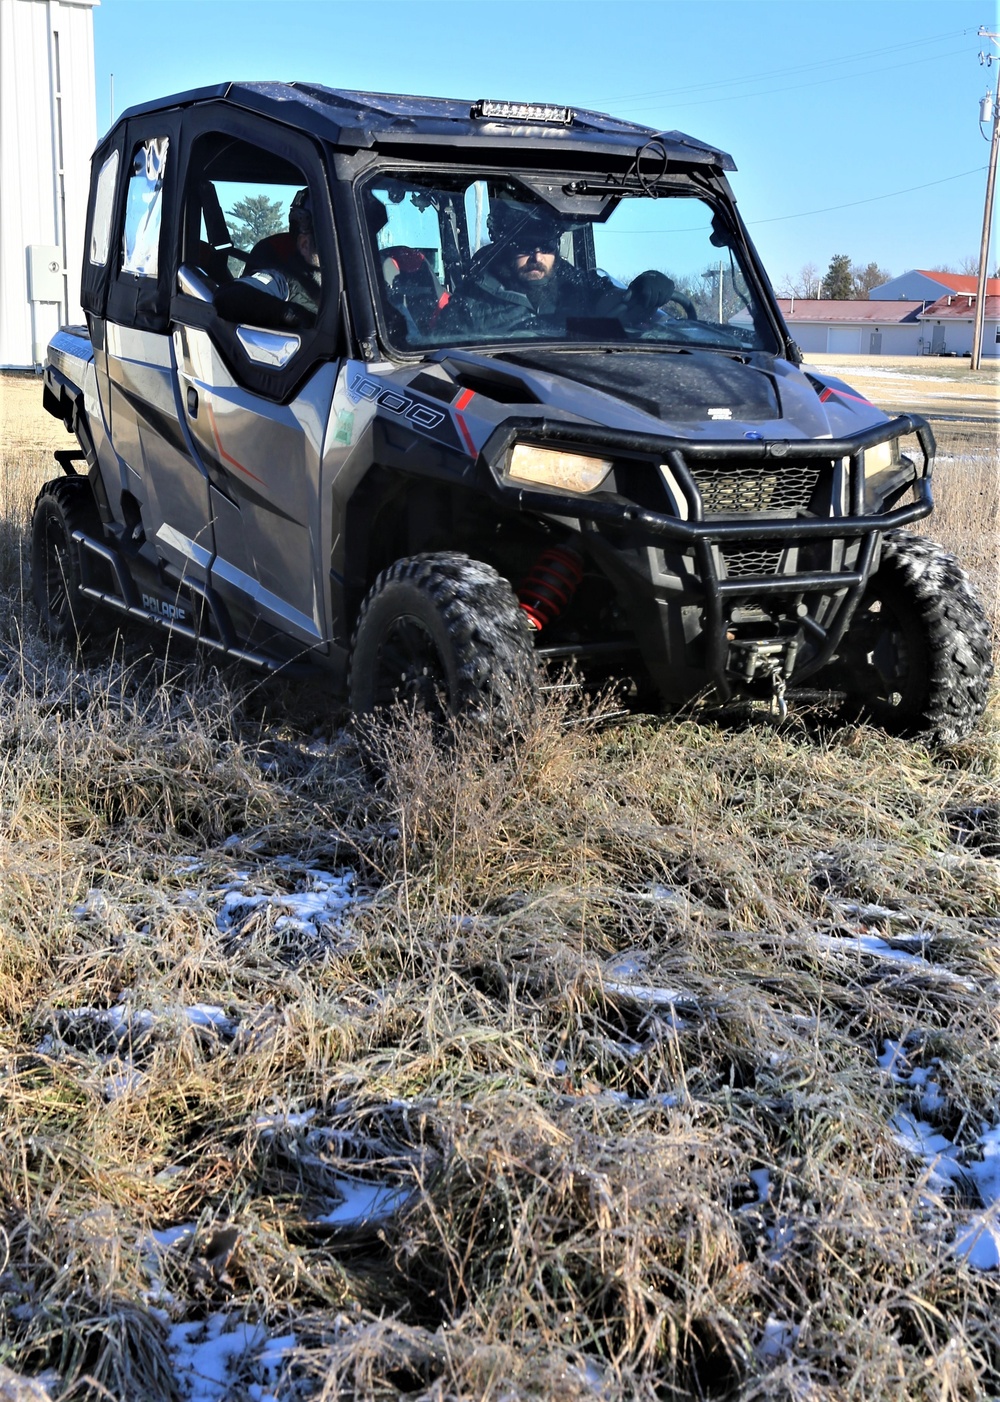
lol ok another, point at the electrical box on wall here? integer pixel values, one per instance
(45, 273)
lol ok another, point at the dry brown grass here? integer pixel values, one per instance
(582, 1219)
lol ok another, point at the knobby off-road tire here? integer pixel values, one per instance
(63, 506)
(443, 635)
(917, 656)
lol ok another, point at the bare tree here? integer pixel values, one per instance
(805, 282)
(970, 266)
(863, 279)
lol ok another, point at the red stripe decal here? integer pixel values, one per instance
(464, 399)
(828, 393)
(222, 452)
(469, 443)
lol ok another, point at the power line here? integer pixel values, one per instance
(799, 87)
(795, 68)
(889, 195)
(805, 213)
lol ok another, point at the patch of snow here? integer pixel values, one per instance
(170, 1236)
(123, 1083)
(777, 1341)
(881, 949)
(761, 1179)
(895, 1061)
(94, 906)
(986, 1171)
(979, 1242)
(363, 1202)
(649, 993)
(922, 1140)
(857, 910)
(208, 1353)
(209, 1016)
(314, 911)
(285, 1119)
(950, 1167)
(625, 966)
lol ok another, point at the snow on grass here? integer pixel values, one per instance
(950, 1169)
(213, 1357)
(362, 1202)
(314, 911)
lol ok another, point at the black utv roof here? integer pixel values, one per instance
(360, 120)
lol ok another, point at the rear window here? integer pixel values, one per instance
(104, 204)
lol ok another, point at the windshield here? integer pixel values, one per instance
(465, 259)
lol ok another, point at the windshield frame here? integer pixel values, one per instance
(711, 189)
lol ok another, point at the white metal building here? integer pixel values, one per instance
(48, 130)
(843, 327)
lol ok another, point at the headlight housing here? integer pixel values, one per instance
(547, 467)
(887, 473)
(882, 458)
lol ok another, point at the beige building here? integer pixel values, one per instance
(48, 129)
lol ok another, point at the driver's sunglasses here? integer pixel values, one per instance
(524, 250)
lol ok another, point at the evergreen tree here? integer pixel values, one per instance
(255, 218)
(838, 283)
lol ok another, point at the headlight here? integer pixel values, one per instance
(570, 472)
(881, 457)
(886, 471)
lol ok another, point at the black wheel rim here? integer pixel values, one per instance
(56, 573)
(409, 670)
(889, 660)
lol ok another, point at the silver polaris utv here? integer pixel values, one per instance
(425, 393)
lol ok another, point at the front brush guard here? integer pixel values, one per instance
(652, 527)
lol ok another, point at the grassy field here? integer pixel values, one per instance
(645, 1059)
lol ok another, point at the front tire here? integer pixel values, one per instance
(443, 635)
(917, 658)
(62, 506)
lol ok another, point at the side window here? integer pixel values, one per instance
(249, 214)
(144, 208)
(104, 205)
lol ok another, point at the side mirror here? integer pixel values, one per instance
(249, 305)
(194, 282)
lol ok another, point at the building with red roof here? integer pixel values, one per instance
(944, 326)
(927, 285)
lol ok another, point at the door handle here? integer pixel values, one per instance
(192, 401)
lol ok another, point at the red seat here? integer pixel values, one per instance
(411, 284)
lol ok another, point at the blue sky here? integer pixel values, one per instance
(826, 107)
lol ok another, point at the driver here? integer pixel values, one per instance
(520, 280)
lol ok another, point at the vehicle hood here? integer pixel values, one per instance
(686, 394)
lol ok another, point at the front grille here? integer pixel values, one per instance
(743, 564)
(745, 490)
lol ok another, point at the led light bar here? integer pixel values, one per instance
(522, 112)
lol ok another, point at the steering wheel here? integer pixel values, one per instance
(685, 304)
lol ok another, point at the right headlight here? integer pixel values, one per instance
(545, 467)
(886, 472)
(882, 458)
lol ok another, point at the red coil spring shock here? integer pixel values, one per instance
(550, 584)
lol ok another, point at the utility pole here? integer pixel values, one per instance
(992, 98)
